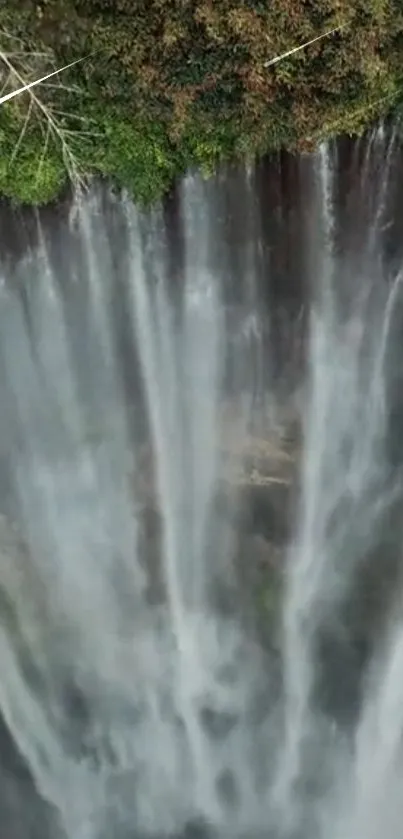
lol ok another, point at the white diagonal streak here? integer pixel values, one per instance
(302, 46)
(13, 93)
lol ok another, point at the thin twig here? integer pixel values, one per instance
(43, 155)
(22, 132)
(59, 86)
(60, 113)
(6, 82)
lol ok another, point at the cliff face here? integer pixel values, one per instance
(171, 85)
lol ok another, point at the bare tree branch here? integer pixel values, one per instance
(29, 85)
(20, 68)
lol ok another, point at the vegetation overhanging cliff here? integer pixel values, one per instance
(170, 84)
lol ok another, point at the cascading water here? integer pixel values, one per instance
(345, 490)
(153, 679)
(139, 696)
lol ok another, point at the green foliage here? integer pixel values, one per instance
(135, 152)
(178, 83)
(30, 176)
(26, 185)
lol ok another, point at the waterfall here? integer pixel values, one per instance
(155, 680)
(139, 412)
(345, 490)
